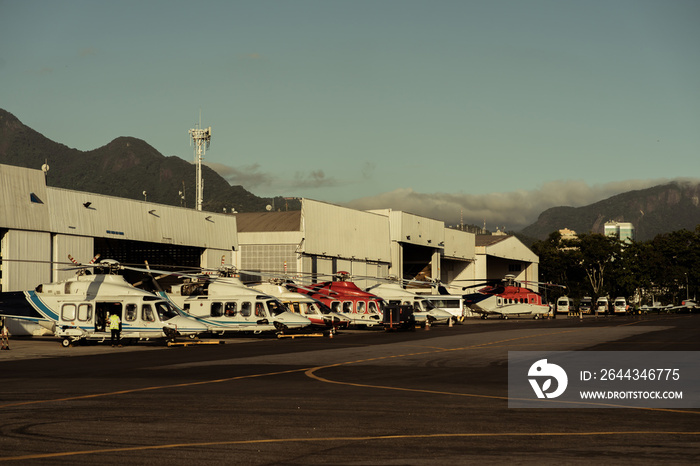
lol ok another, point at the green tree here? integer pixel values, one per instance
(595, 255)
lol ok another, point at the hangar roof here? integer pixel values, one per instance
(504, 246)
(488, 240)
(268, 221)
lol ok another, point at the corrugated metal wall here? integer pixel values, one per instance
(23, 199)
(330, 230)
(112, 217)
(421, 231)
(459, 244)
(81, 248)
(213, 258)
(26, 259)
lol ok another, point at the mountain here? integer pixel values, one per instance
(126, 167)
(652, 211)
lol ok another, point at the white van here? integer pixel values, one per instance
(602, 305)
(565, 305)
(620, 305)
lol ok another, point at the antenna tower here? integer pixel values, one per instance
(202, 139)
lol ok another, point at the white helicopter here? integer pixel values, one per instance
(424, 310)
(224, 304)
(318, 313)
(77, 309)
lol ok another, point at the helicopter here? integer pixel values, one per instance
(77, 309)
(424, 309)
(507, 297)
(343, 296)
(318, 313)
(222, 302)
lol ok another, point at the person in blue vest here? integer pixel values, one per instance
(115, 325)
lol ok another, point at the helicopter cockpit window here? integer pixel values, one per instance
(322, 307)
(147, 313)
(275, 307)
(382, 306)
(165, 312)
(429, 305)
(230, 309)
(245, 309)
(417, 306)
(373, 307)
(361, 305)
(312, 309)
(347, 307)
(131, 313)
(216, 309)
(68, 312)
(259, 310)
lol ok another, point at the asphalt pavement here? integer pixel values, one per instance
(437, 396)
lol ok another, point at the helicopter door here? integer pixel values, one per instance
(102, 312)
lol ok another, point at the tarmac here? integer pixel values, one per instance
(437, 396)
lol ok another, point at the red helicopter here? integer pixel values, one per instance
(343, 296)
(507, 297)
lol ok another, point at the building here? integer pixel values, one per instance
(567, 234)
(623, 231)
(323, 239)
(40, 227)
(498, 256)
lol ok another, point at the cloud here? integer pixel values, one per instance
(513, 210)
(250, 177)
(312, 179)
(247, 176)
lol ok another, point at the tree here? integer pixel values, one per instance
(595, 253)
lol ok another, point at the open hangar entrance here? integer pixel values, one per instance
(160, 256)
(417, 262)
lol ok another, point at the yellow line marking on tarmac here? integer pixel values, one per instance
(201, 382)
(339, 439)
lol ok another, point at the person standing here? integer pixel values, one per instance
(115, 325)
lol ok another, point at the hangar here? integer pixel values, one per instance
(41, 226)
(322, 239)
(499, 255)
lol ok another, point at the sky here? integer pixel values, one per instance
(485, 112)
